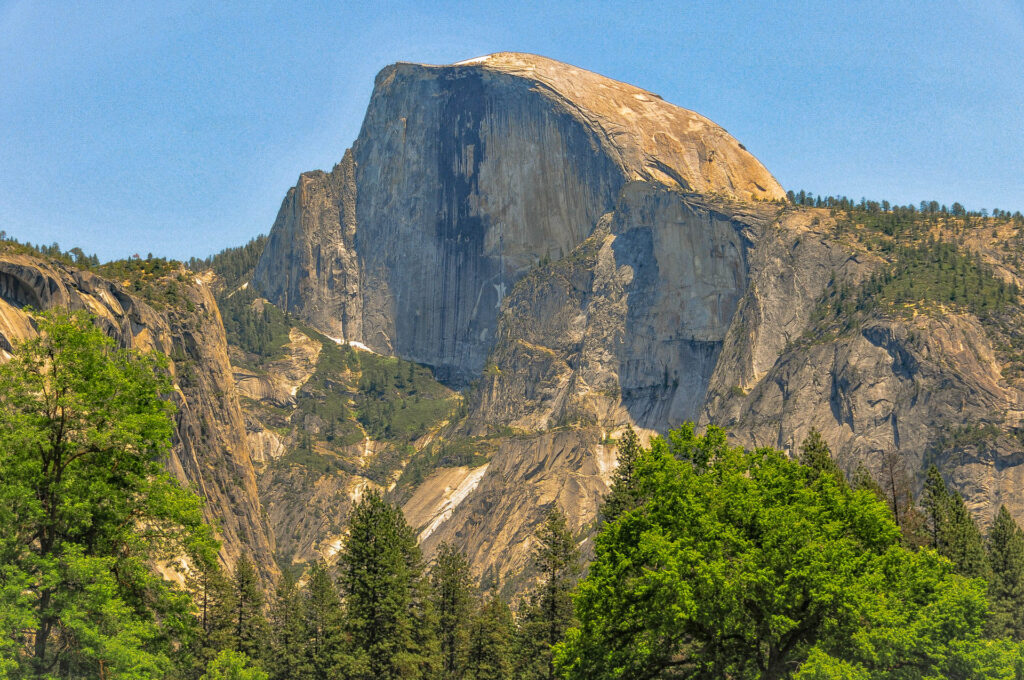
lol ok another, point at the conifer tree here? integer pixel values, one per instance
(1006, 588)
(287, 633)
(935, 501)
(622, 496)
(863, 480)
(549, 609)
(960, 540)
(492, 632)
(250, 627)
(815, 454)
(387, 616)
(212, 594)
(323, 621)
(453, 602)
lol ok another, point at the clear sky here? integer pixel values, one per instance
(176, 128)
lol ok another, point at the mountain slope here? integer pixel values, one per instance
(154, 306)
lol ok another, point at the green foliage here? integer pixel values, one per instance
(1006, 588)
(246, 605)
(446, 452)
(231, 665)
(742, 566)
(388, 616)
(212, 601)
(287, 657)
(399, 399)
(453, 601)
(323, 617)
(623, 495)
(74, 257)
(87, 510)
(233, 265)
(951, 528)
(548, 611)
(253, 325)
(491, 641)
(320, 396)
(816, 455)
(924, 276)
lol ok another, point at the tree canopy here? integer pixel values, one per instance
(746, 564)
(87, 510)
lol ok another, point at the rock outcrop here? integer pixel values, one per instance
(462, 179)
(585, 256)
(210, 451)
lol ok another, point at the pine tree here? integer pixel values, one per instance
(250, 628)
(863, 480)
(960, 540)
(453, 602)
(622, 496)
(1006, 588)
(935, 501)
(323, 621)
(815, 454)
(387, 617)
(212, 594)
(287, 633)
(549, 610)
(492, 632)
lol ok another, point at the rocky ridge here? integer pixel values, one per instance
(579, 255)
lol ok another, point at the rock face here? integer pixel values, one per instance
(462, 179)
(210, 450)
(588, 256)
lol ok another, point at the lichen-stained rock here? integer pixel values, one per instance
(210, 451)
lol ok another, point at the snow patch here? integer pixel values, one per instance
(475, 60)
(359, 345)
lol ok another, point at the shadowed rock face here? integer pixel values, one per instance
(463, 178)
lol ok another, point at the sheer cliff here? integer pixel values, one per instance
(177, 316)
(577, 255)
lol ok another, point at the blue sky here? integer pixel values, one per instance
(176, 128)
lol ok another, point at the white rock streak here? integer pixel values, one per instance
(451, 500)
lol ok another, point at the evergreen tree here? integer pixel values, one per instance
(960, 540)
(1006, 588)
(815, 454)
(381, 580)
(935, 501)
(622, 496)
(453, 602)
(323, 618)
(951, 529)
(863, 480)
(549, 610)
(492, 632)
(287, 633)
(212, 594)
(250, 628)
